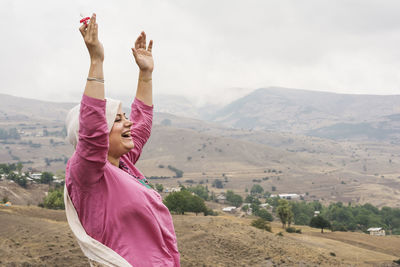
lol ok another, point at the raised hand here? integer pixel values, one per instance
(143, 56)
(90, 36)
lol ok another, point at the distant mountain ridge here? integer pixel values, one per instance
(320, 114)
(13, 108)
(295, 111)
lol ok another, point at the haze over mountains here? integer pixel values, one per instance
(333, 147)
(327, 115)
(321, 114)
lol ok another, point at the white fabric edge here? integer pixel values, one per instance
(92, 248)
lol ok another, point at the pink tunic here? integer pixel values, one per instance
(114, 207)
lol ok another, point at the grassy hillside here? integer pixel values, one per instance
(32, 236)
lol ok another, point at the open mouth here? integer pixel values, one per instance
(126, 134)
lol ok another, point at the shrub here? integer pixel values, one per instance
(233, 198)
(159, 187)
(54, 200)
(199, 190)
(210, 212)
(217, 184)
(180, 202)
(178, 172)
(256, 189)
(46, 178)
(320, 222)
(262, 213)
(291, 230)
(261, 224)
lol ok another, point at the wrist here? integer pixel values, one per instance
(145, 75)
(96, 61)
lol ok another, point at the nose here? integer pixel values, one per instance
(128, 123)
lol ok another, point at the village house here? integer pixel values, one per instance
(287, 196)
(172, 189)
(35, 176)
(221, 198)
(377, 231)
(229, 209)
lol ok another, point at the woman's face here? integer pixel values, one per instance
(120, 136)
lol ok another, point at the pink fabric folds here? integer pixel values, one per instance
(113, 207)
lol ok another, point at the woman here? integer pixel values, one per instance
(116, 217)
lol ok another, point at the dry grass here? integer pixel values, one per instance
(32, 236)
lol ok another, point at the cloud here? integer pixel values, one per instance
(203, 49)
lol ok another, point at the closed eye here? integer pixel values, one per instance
(119, 117)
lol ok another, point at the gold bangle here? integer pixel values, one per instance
(91, 79)
(145, 80)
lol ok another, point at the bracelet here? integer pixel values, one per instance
(145, 80)
(91, 79)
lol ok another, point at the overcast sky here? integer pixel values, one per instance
(206, 50)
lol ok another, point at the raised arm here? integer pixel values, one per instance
(95, 83)
(91, 150)
(144, 60)
(142, 106)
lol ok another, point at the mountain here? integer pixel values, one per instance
(356, 170)
(22, 109)
(328, 115)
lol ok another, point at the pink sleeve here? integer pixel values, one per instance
(142, 118)
(92, 148)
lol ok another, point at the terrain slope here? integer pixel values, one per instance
(32, 236)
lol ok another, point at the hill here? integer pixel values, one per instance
(356, 171)
(328, 115)
(19, 109)
(32, 236)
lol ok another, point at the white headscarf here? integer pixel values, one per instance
(72, 120)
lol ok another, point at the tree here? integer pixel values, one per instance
(183, 201)
(177, 202)
(46, 177)
(21, 181)
(233, 198)
(263, 213)
(159, 187)
(245, 208)
(252, 199)
(55, 199)
(254, 208)
(196, 205)
(285, 213)
(19, 167)
(256, 189)
(199, 190)
(217, 184)
(320, 222)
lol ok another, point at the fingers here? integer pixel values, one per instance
(82, 29)
(143, 44)
(137, 42)
(95, 31)
(134, 52)
(93, 19)
(150, 48)
(91, 29)
(140, 42)
(90, 25)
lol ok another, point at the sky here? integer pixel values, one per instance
(207, 51)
